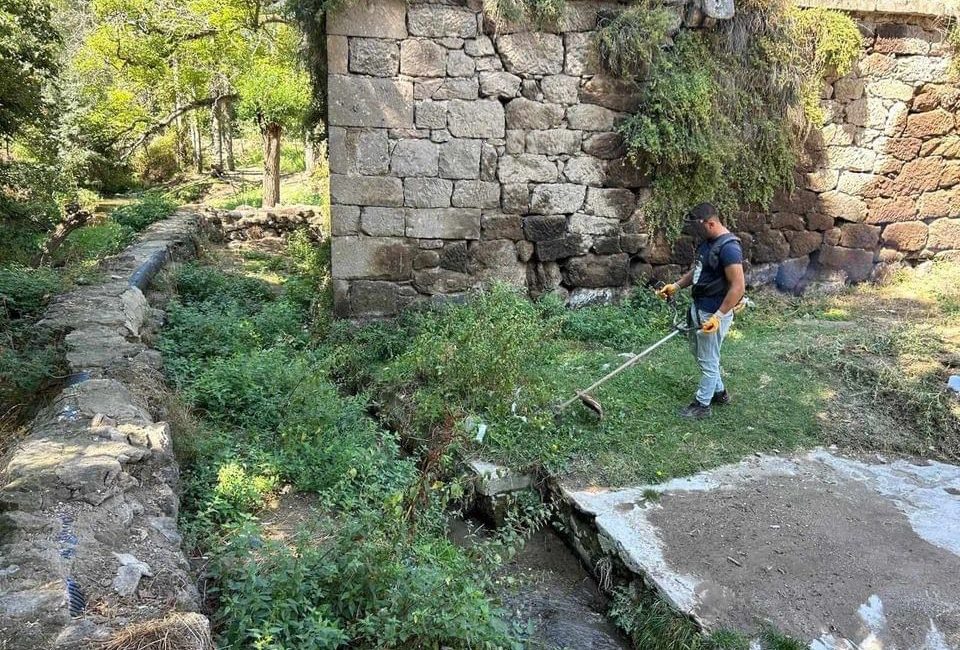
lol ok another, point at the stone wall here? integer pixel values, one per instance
(464, 152)
(88, 499)
(263, 228)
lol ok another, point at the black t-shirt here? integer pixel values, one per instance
(731, 253)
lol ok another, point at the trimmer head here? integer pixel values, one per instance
(591, 403)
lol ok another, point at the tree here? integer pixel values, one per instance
(29, 50)
(275, 93)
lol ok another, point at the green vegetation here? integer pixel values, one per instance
(536, 12)
(373, 566)
(715, 116)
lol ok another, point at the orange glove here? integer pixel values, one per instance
(711, 326)
(667, 291)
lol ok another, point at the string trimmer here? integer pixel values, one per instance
(680, 326)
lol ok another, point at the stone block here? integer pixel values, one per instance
(947, 147)
(382, 222)
(489, 64)
(427, 192)
(582, 55)
(431, 115)
(819, 221)
(804, 242)
(891, 210)
(858, 264)
(530, 89)
(344, 220)
(543, 228)
(558, 249)
(623, 173)
(842, 206)
(454, 257)
(554, 142)
(855, 182)
(501, 226)
(944, 235)
(610, 202)
(465, 89)
(557, 198)
(516, 142)
(443, 223)
(615, 94)
(859, 235)
(415, 158)
(368, 102)
(442, 281)
(366, 190)
(386, 19)
(848, 89)
(560, 89)
(476, 194)
(895, 38)
(480, 46)
(791, 273)
(460, 65)
(423, 58)
(891, 89)
(855, 159)
(787, 221)
(606, 245)
(521, 113)
(374, 56)
(769, 246)
(373, 298)
(608, 146)
(499, 84)
(821, 180)
(594, 271)
(476, 119)
(876, 65)
(439, 21)
(497, 261)
(460, 159)
(589, 117)
(929, 124)
(910, 236)
(426, 259)
(869, 112)
(489, 162)
(372, 258)
(905, 149)
(515, 198)
(531, 53)
(527, 168)
(586, 224)
(921, 175)
(919, 68)
(338, 54)
(585, 170)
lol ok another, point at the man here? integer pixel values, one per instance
(718, 287)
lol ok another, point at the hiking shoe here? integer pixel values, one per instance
(720, 399)
(696, 411)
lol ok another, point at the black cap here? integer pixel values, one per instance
(703, 212)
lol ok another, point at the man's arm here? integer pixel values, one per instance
(685, 280)
(737, 286)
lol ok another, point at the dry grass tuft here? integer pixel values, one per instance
(179, 631)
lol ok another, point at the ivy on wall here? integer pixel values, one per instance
(723, 112)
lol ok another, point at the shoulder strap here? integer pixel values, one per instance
(717, 246)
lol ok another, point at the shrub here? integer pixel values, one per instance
(158, 161)
(25, 291)
(95, 242)
(629, 40)
(537, 12)
(152, 207)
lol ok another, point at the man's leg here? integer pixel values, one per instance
(725, 324)
(708, 358)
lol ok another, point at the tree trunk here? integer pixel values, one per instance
(178, 106)
(197, 141)
(271, 164)
(75, 218)
(216, 136)
(309, 153)
(226, 119)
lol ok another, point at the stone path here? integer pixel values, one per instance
(839, 552)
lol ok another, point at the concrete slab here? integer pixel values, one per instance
(842, 553)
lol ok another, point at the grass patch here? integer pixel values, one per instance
(374, 568)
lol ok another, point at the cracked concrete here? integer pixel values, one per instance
(841, 553)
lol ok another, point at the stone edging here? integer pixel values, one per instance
(904, 7)
(88, 500)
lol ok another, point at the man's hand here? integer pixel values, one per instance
(711, 326)
(667, 291)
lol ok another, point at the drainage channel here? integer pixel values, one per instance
(544, 585)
